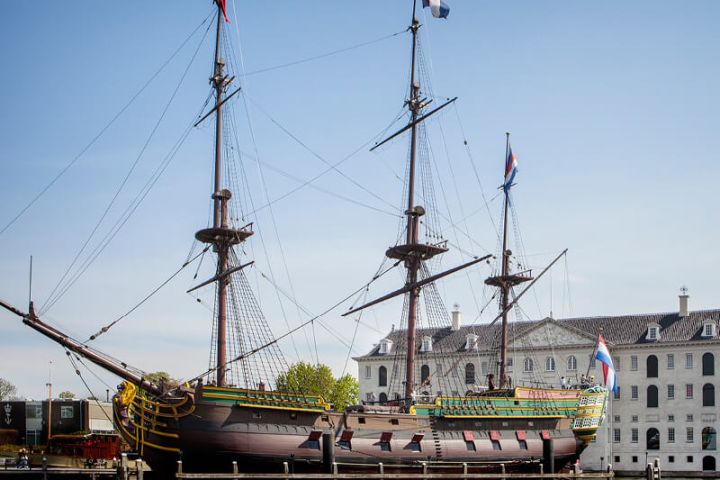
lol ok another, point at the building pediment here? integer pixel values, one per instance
(550, 333)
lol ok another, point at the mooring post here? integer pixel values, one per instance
(235, 468)
(465, 469)
(328, 451)
(576, 470)
(658, 473)
(381, 468)
(139, 469)
(334, 468)
(542, 470)
(123, 466)
(549, 455)
(286, 469)
(502, 471)
(44, 468)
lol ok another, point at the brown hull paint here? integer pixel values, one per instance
(259, 439)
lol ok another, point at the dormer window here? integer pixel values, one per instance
(653, 333)
(426, 344)
(708, 329)
(471, 341)
(385, 346)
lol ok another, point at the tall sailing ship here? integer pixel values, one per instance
(210, 421)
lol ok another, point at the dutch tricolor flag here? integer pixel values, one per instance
(603, 354)
(510, 169)
(439, 8)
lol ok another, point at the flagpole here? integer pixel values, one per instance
(597, 342)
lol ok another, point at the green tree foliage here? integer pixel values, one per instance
(7, 389)
(66, 395)
(162, 378)
(312, 379)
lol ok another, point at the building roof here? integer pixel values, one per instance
(616, 330)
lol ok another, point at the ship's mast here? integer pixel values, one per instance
(506, 280)
(222, 236)
(413, 215)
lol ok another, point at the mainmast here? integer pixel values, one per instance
(413, 253)
(222, 236)
(506, 280)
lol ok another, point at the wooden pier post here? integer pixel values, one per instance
(179, 468)
(328, 451)
(658, 473)
(139, 469)
(381, 469)
(286, 469)
(542, 470)
(123, 466)
(465, 470)
(549, 455)
(44, 468)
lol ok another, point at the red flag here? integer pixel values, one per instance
(221, 3)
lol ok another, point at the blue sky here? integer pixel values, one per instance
(612, 108)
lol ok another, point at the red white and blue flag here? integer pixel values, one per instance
(438, 8)
(510, 170)
(603, 354)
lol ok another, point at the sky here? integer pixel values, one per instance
(612, 107)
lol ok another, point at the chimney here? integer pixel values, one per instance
(456, 318)
(683, 302)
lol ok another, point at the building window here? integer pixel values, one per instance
(709, 438)
(528, 365)
(689, 390)
(67, 412)
(688, 360)
(708, 364)
(382, 376)
(383, 397)
(708, 463)
(671, 459)
(634, 419)
(689, 434)
(670, 361)
(616, 435)
(652, 366)
(634, 458)
(634, 392)
(424, 373)
(592, 362)
(470, 374)
(385, 346)
(633, 362)
(652, 437)
(708, 329)
(617, 458)
(616, 363)
(634, 435)
(572, 363)
(368, 371)
(689, 417)
(549, 364)
(471, 341)
(671, 418)
(652, 333)
(484, 368)
(426, 345)
(670, 391)
(616, 418)
(689, 459)
(708, 395)
(652, 396)
(509, 365)
(671, 434)
(616, 393)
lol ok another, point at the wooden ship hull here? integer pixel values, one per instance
(212, 427)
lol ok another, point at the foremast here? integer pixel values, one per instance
(221, 236)
(506, 280)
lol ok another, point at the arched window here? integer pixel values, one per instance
(652, 366)
(653, 439)
(709, 438)
(383, 397)
(382, 377)
(424, 373)
(708, 364)
(572, 363)
(470, 374)
(708, 395)
(709, 464)
(528, 365)
(549, 364)
(652, 396)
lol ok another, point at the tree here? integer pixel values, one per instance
(162, 378)
(7, 389)
(66, 395)
(312, 379)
